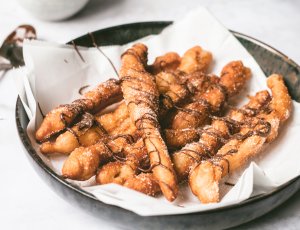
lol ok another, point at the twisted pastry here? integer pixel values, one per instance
(214, 136)
(126, 171)
(195, 60)
(136, 158)
(92, 129)
(174, 89)
(85, 133)
(233, 78)
(117, 122)
(168, 62)
(62, 117)
(141, 96)
(144, 183)
(83, 162)
(205, 178)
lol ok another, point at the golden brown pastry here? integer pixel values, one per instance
(142, 98)
(62, 117)
(165, 107)
(204, 180)
(134, 157)
(166, 63)
(233, 78)
(215, 135)
(83, 163)
(85, 133)
(144, 183)
(194, 60)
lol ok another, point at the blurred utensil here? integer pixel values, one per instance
(11, 51)
(4, 64)
(53, 10)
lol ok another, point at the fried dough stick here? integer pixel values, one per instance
(171, 91)
(126, 171)
(205, 178)
(144, 183)
(168, 62)
(176, 84)
(118, 122)
(178, 138)
(142, 97)
(176, 90)
(194, 60)
(124, 168)
(233, 78)
(85, 133)
(113, 123)
(215, 135)
(197, 83)
(90, 130)
(61, 117)
(83, 162)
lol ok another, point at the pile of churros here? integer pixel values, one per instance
(172, 124)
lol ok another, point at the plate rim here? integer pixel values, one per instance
(32, 153)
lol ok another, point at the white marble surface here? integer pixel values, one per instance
(35, 206)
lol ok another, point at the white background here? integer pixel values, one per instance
(35, 206)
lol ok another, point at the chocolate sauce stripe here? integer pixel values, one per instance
(77, 51)
(133, 53)
(81, 89)
(101, 51)
(156, 164)
(130, 79)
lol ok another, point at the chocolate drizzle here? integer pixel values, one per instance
(229, 184)
(83, 125)
(251, 112)
(263, 130)
(207, 151)
(98, 124)
(77, 51)
(188, 152)
(147, 135)
(40, 109)
(129, 138)
(101, 51)
(86, 122)
(76, 108)
(131, 159)
(255, 126)
(150, 100)
(217, 158)
(103, 95)
(80, 91)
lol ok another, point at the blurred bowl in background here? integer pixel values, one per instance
(53, 10)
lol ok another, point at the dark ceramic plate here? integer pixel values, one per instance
(270, 61)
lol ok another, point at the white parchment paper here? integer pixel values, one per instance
(54, 73)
